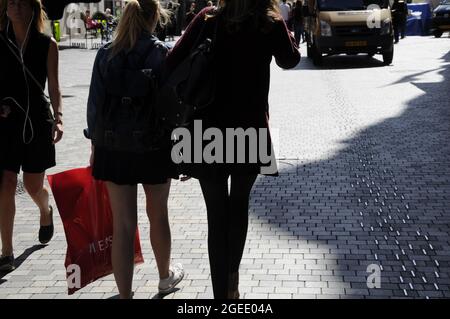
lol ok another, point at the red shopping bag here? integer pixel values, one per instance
(83, 205)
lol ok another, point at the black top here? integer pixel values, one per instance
(298, 14)
(12, 76)
(242, 70)
(400, 12)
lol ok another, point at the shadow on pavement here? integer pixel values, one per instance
(156, 296)
(20, 259)
(162, 296)
(384, 199)
(336, 62)
(410, 78)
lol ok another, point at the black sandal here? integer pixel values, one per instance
(46, 232)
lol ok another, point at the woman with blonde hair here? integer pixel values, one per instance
(246, 34)
(28, 129)
(114, 94)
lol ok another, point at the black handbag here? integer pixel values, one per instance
(192, 85)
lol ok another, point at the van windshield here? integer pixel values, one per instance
(338, 5)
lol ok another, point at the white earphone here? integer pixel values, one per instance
(26, 110)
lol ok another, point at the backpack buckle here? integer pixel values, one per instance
(126, 100)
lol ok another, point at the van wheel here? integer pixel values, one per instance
(437, 33)
(388, 56)
(317, 57)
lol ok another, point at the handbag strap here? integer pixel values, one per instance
(202, 37)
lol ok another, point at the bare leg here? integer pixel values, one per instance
(8, 185)
(34, 185)
(160, 238)
(124, 208)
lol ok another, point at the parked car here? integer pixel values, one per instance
(441, 19)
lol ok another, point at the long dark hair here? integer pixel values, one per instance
(260, 13)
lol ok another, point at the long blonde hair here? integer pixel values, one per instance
(40, 17)
(138, 16)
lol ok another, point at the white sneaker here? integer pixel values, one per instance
(176, 275)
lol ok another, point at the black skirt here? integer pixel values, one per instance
(125, 168)
(226, 167)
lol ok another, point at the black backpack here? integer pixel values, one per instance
(191, 86)
(127, 121)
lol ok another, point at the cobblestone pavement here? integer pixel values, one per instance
(364, 155)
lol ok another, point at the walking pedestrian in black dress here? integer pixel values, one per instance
(249, 34)
(29, 129)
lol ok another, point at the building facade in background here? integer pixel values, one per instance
(71, 22)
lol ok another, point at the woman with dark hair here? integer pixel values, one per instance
(28, 129)
(248, 34)
(133, 48)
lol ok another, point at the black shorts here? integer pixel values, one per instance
(35, 157)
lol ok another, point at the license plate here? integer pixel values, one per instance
(356, 43)
(446, 15)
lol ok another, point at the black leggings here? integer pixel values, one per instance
(227, 226)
